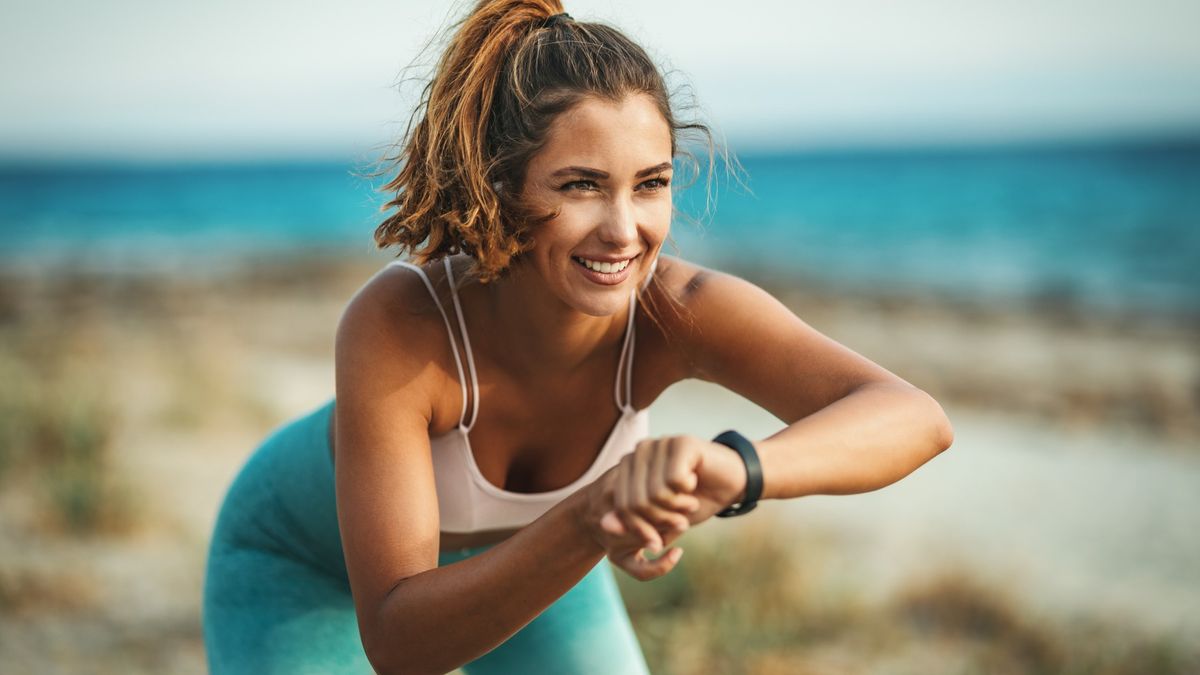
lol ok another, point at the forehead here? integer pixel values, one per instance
(630, 133)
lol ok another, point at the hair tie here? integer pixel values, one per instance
(554, 20)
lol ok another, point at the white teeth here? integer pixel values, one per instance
(604, 267)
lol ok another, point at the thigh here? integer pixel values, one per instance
(585, 632)
(267, 613)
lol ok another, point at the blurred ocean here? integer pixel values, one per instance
(1114, 225)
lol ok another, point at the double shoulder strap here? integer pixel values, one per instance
(624, 365)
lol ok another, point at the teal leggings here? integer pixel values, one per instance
(277, 598)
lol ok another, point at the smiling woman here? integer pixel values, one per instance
(439, 516)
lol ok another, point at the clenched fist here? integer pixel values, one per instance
(655, 493)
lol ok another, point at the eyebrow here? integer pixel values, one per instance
(589, 172)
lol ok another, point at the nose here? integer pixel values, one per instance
(620, 228)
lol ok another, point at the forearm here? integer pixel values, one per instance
(440, 619)
(872, 438)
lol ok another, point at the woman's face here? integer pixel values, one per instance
(606, 167)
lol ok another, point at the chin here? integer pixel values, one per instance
(606, 303)
(598, 300)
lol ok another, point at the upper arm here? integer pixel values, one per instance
(386, 497)
(741, 337)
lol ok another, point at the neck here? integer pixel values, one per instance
(542, 334)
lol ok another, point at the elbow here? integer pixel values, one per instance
(389, 655)
(947, 434)
(374, 631)
(385, 660)
(942, 431)
(379, 654)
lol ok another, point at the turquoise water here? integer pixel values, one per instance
(1102, 225)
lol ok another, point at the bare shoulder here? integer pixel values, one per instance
(688, 282)
(678, 310)
(389, 335)
(695, 295)
(397, 291)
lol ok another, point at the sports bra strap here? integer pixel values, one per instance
(626, 365)
(450, 332)
(626, 347)
(462, 324)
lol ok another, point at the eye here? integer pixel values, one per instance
(580, 185)
(656, 183)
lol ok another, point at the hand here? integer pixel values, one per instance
(668, 468)
(651, 482)
(625, 548)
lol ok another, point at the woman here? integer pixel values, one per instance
(453, 507)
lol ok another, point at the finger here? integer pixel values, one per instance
(637, 487)
(621, 494)
(623, 500)
(662, 494)
(660, 517)
(651, 539)
(643, 569)
(623, 545)
(681, 471)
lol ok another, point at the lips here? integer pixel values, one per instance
(604, 266)
(593, 270)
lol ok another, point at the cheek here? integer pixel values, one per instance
(657, 215)
(571, 225)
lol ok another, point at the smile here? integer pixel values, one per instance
(604, 273)
(603, 267)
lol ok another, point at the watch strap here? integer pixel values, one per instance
(754, 478)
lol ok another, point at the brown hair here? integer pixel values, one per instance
(504, 76)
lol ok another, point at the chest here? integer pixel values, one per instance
(545, 442)
(539, 434)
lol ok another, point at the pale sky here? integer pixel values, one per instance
(141, 79)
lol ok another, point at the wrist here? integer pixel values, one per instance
(766, 449)
(583, 522)
(737, 468)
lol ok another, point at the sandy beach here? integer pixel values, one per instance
(1067, 501)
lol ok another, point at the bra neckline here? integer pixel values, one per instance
(627, 414)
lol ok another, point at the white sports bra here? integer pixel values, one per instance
(467, 502)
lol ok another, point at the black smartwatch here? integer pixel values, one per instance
(754, 478)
